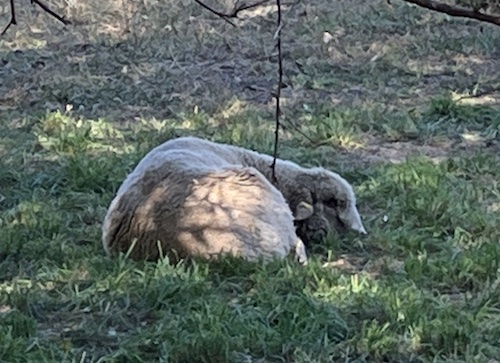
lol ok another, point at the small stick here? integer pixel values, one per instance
(234, 13)
(277, 35)
(12, 20)
(44, 7)
(456, 11)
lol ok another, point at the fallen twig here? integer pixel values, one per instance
(277, 35)
(456, 11)
(44, 7)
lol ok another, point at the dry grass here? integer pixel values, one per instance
(144, 59)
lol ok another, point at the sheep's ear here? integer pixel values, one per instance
(303, 211)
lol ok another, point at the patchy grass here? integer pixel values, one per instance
(424, 287)
(402, 102)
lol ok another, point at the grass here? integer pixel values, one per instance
(403, 103)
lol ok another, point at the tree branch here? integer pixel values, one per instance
(12, 20)
(44, 7)
(234, 13)
(218, 13)
(237, 9)
(456, 11)
(277, 35)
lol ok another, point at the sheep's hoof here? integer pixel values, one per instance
(300, 252)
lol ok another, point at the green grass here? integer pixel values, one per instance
(427, 289)
(378, 103)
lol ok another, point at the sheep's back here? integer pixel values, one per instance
(181, 203)
(237, 211)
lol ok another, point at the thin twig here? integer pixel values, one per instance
(12, 20)
(218, 13)
(277, 35)
(289, 125)
(45, 8)
(478, 94)
(456, 11)
(238, 8)
(234, 13)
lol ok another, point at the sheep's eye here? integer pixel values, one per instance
(314, 198)
(336, 203)
(332, 203)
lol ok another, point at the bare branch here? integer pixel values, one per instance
(456, 11)
(218, 13)
(277, 35)
(243, 6)
(234, 13)
(12, 20)
(44, 7)
(289, 126)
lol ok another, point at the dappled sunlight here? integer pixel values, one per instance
(399, 152)
(33, 23)
(427, 66)
(470, 60)
(132, 58)
(346, 287)
(472, 137)
(261, 11)
(387, 287)
(477, 99)
(398, 100)
(233, 109)
(24, 42)
(18, 285)
(26, 214)
(47, 281)
(59, 132)
(493, 207)
(370, 267)
(481, 100)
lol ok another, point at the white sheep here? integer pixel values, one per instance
(331, 196)
(166, 194)
(183, 203)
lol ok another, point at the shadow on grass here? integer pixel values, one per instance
(160, 61)
(425, 284)
(232, 311)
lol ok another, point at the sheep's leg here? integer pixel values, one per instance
(300, 252)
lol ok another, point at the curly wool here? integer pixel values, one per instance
(193, 197)
(332, 197)
(186, 203)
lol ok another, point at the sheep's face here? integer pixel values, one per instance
(332, 206)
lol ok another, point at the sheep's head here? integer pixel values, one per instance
(325, 203)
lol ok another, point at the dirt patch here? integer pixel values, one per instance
(376, 152)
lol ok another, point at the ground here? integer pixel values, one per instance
(402, 102)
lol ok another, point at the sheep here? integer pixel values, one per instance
(331, 197)
(182, 203)
(193, 197)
